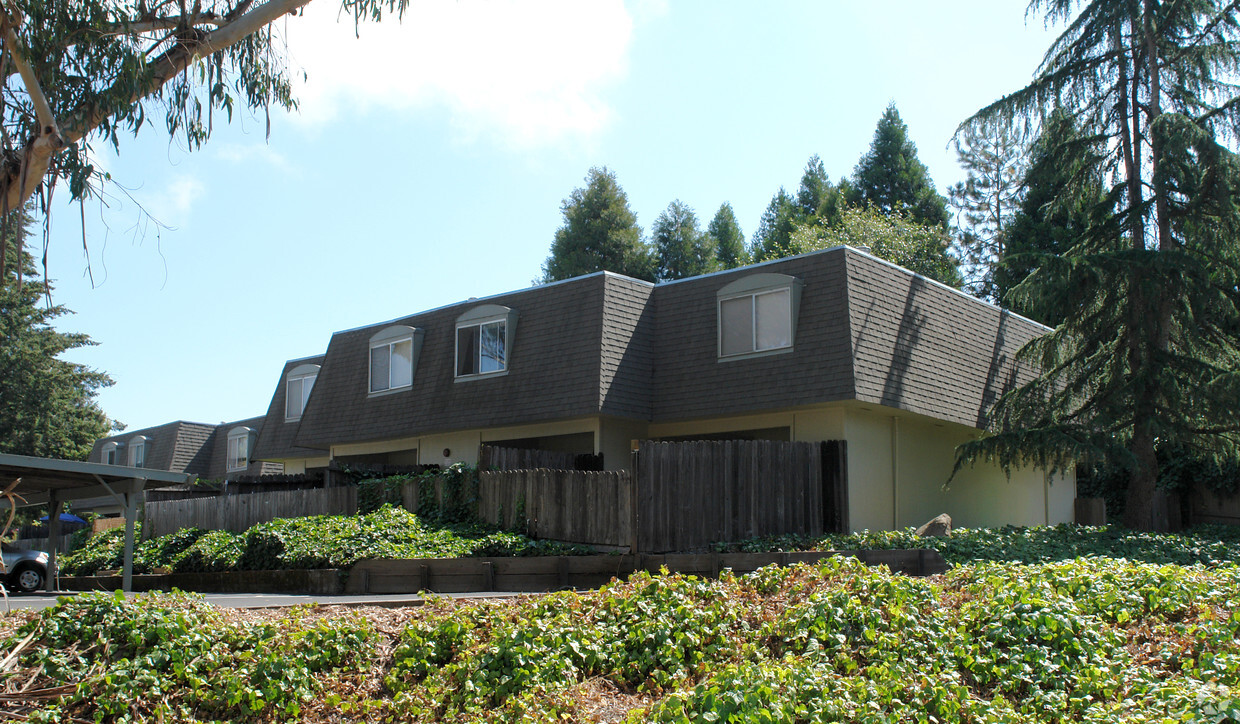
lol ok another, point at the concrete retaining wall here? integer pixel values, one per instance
(477, 575)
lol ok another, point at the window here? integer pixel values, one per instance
(109, 453)
(758, 314)
(137, 452)
(298, 384)
(239, 439)
(483, 340)
(393, 358)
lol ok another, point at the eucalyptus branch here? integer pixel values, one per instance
(149, 25)
(42, 109)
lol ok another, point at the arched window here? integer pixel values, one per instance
(758, 315)
(137, 451)
(109, 453)
(484, 337)
(240, 441)
(297, 386)
(394, 357)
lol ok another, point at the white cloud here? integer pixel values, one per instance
(171, 202)
(244, 153)
(527, 73)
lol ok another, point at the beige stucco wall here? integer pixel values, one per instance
(615, 441)
(869, 471)
(924, 451)
(299, 466)
(462, 445)
(898, 463)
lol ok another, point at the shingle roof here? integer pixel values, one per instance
(923, 347)
(553, 371)
(626, 350)
(691, 381)
(217, 469)
(607, 344)
(179, 447)
(276, 439)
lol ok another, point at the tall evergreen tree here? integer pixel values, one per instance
(600, 233)
(891, 178)
(1150, 351)
(817, 198)
(681, 249)
(993, 158)
(728, 239)
(47, 405)
(814, 188)
(1063, 197)
(774, 234)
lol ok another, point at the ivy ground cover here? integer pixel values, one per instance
(1093, 640)
(1205, 544)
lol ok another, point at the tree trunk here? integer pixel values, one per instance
(1139, 507)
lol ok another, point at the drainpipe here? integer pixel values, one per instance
(895, 472)
(1046, 496)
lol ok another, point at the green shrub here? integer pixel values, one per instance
(324, 541)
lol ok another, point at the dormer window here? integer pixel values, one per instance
(298, 383)
(109, 453)
(393, 358)
(484, 340)
(239, 444)
(137, 452)
(758, 315)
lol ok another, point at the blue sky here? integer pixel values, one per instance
(429, 159)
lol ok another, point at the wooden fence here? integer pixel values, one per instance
(1207, 506)
(692, 494)
(509, 458)
(42, 544)
(684, 496)
(236, 513)
(566, 505)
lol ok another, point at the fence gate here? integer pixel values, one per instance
(693, 494)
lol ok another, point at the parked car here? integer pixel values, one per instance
(26, 570)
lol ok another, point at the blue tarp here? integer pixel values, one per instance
(66, 518)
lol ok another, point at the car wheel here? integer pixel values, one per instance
(27, 579)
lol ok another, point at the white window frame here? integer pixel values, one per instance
(479, 317)
(385, 340)
(137, 452)
(299, 374)
(236, 436)
(109, 449)
(753, 287)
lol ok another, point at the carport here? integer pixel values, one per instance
(55, 482)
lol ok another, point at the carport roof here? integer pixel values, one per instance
(73, 480)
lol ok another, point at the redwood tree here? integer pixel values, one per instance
(1149, 349)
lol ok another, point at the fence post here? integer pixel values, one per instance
(634, 499)
(409, 496)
